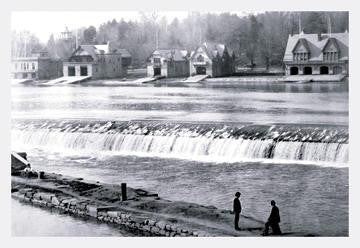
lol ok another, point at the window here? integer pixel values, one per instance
(200, 58)
(16, 65)
(301, 56)
(71, 71)
(33, 75)
(33, 66)
(157, 60)
(331, 56)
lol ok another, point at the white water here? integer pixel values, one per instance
(200, 148)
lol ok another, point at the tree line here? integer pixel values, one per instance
(256, 39)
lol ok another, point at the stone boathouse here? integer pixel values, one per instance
(316, 54)
(39, 66)
(168, 63)
(215, 60)
(97, 61)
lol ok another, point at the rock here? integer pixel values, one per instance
(138, 219)
(152, 223)
(162, 232)
(37, 196)
(167, 227)
(102, 213)
(113, 214)
(81, 205)
(155, 229)
(92, 210)
(17, 195)
(67, 201)
(46, 197)
(25, 190)
(146, 228)
(36, 202)
(161, 225)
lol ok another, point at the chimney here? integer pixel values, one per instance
(319, 36)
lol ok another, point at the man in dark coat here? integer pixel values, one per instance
(237, 210)
(273, 220)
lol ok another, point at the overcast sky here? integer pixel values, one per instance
(45, 23)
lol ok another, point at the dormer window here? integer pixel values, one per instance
(331, 51)
(331, 56)
(301, 56)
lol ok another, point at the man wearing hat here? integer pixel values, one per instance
(237, 210)
(273, 220)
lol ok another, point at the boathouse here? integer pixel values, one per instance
(168, 63)
(315, 54)
(38, 66)
(215, 60)
(97, 61)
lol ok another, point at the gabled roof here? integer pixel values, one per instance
(212, 49)
(91, 50)
(316, 45)
(331, 40)
(124, 53)
(171, 54)
(301, 42)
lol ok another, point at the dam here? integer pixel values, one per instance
(270, 140)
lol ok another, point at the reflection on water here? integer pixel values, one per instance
(261, 102)
(28, 220)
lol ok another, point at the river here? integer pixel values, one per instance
(281, 141)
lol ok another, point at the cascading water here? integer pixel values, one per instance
(205, 142)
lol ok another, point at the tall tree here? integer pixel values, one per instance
(253, 39)
(89, 35)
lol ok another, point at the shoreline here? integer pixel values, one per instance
(179, 81)
(144, 212)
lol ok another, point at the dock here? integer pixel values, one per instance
(20, 81)
(67, 80)
(147, 79)
(314, 78)
(195, 79)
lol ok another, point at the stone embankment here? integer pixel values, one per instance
(142, 212)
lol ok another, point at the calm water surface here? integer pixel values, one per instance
(27, 220)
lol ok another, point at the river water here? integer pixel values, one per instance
(281, 141)
(32, 221)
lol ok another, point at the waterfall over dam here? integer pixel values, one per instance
(205, 142)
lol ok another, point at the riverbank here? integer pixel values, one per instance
(143, 211)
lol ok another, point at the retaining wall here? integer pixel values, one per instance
(108, 214)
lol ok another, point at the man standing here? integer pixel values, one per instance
(273, 220)
(237, 210)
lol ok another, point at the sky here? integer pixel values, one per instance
(45, 23)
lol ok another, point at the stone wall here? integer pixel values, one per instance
(85, 208)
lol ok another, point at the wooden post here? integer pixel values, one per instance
(41, 175)
(123, 192)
